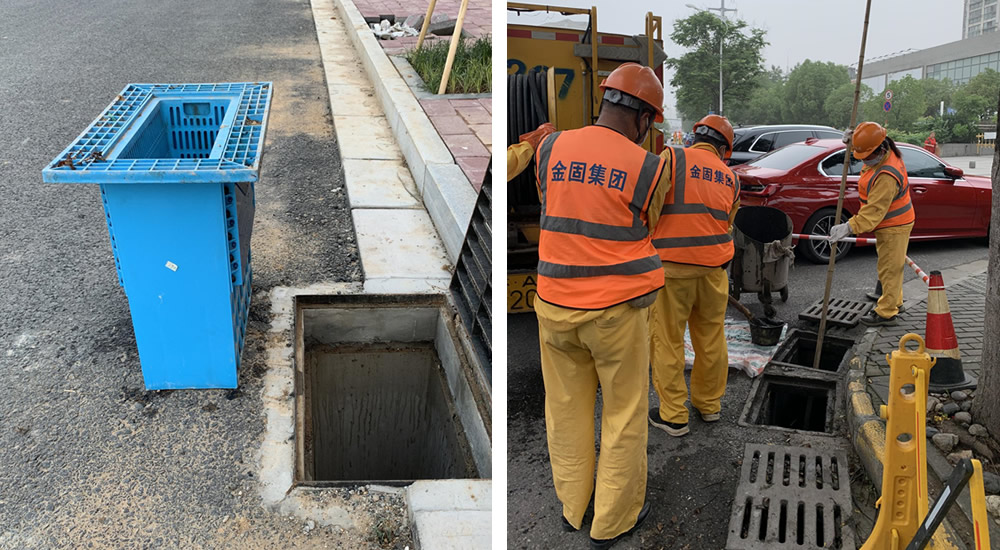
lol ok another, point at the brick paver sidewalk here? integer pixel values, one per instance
(464, 124)
(967, 302)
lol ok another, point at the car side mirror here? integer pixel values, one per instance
(953, 172)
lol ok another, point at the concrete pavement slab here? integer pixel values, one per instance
(349, 100)
(453, 530)
(380, 184)
(366, 137)
(410, 250)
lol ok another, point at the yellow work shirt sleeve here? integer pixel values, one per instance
(663, 186)
(881, 194)
(518, 157)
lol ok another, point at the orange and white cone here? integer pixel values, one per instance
(941, 343)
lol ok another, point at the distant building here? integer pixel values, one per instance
(980, 17)
(956, 61)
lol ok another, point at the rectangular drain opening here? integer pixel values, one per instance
(793, 403)
(791, 497)
(178, 129)
(383, 393)
(799, 349)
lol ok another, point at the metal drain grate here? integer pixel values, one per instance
(843, 313)
(471, 284)
(791, 497)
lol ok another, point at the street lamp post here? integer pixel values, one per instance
(722, 17)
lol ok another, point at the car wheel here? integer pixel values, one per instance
(818, 252)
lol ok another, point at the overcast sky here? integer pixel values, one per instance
(802, 29)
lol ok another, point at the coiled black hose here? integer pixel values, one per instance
(527, 108)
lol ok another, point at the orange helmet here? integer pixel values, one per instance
(721, 126)
(867, 137)
(637, 81)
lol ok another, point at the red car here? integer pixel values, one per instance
(803, 181)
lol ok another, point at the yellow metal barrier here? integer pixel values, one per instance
(904, 475)
(904, 503)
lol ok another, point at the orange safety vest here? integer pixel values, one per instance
(703, 193)
(900, 212)
(594, 249)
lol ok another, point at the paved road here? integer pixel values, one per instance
(693, 479)
(87, 458)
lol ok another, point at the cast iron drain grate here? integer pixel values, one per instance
(843, 313)
(791, 497)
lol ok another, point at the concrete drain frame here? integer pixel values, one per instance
(791, 396)
(403, 351)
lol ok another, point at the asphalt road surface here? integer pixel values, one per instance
(88, 459)
(693, 479)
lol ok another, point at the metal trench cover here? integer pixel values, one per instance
(843, 313)
(791, 497)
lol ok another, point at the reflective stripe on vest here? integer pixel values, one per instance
(900, 210)
(594, 247)
(694, 223)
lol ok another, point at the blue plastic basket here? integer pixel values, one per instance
(177, 164)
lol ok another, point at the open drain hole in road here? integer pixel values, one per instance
(375, 402)
(799, 349)
(792, 403)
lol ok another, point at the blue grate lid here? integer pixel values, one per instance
(171, 133)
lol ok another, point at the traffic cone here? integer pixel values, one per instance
(941, 343)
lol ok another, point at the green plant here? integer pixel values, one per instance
(471, 72)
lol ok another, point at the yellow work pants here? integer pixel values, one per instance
(610, 348)
(699, 303)
(890, 244)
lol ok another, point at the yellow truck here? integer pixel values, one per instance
(553, 75)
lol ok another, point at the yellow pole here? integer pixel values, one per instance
(980, 521)
(455, 38)
(427, 23)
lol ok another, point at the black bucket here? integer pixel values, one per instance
(765, 332)
(763, 224)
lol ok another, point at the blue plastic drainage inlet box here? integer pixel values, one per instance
(176, 164)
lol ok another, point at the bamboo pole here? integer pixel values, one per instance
(427, 23)
(843, 190)
(455, 38)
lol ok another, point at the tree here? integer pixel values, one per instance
(840, 102)
(937, 90)
(977, 96)
(909, 102)
(764, 105)
(696, 73)
(808, 86)
(987, 407)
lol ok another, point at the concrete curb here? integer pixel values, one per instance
(447, 193)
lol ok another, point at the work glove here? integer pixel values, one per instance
(840, 231)
(537, 135)
(847, 136)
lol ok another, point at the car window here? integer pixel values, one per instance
(787, 138)
(764, 143)
(834, 165)
(741, 142)
(921, 165)
(786, 158)
(824, 134)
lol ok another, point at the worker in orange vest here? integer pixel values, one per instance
(886, 209)
(597, 275)
(694, 241)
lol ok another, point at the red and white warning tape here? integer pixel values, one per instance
(862, 240)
